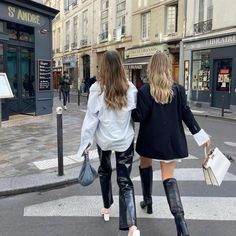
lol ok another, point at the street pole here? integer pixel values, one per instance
(60, 141)
(0, 113)
(223, 106)
(78, 97)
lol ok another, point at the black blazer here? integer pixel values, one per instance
(161, 133)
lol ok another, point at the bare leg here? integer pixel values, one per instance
(167, 170)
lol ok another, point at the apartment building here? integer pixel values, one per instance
(157, 25)
(209, 53)
(84, 30)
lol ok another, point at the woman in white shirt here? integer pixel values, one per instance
(108, 121)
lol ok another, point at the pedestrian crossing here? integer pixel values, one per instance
(210, 208)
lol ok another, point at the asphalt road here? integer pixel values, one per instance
(74, 210)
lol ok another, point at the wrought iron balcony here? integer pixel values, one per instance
(83, 42)
(74, 45)
(116, 33)
(103, 36)
(203, 27)
(66, 47)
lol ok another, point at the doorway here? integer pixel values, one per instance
(222, 73)
(21, 76)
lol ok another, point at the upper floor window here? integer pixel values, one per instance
(85, 25)
(67, 35)
(105, 4)
(209, 10)
(120, 16)
(145, 25)
(67, 3)
(201, 10)
(75, 29)
(171, 19)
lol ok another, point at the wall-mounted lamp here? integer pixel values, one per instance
(43, 31)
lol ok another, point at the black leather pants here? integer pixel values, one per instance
(127, 209)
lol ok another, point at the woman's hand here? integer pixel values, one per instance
(86, 149)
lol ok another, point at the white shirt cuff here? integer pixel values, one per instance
(201, 137)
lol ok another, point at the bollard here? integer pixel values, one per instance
(60, 141)
(78, 97)
(223, 105)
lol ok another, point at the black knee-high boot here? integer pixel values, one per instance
(146, 175)
(176, 207)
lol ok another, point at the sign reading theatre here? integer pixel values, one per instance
(23, 15)
(44, 75)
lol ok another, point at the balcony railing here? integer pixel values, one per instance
(74, 45)
(83, 42)
(119, 32)
(103, 36)
(66, 47)
(203, 27)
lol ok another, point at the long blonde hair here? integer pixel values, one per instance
(160, 78)
(113, 81)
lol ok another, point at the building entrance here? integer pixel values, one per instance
(21, 75)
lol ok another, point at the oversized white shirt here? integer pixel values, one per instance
(111, 130)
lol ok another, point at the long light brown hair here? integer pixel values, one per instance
(113, 81)
(160, 78)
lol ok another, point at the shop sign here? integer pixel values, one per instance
(134, 67)
(23, 15)
(44, 75)
(145, 51)
(221, 40)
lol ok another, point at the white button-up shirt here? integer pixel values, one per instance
(111, 130)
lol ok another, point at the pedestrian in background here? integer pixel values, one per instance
(108, 120)
(161, 108)
(65, 89)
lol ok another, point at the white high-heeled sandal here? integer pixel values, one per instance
(136, 232)
(106, 216)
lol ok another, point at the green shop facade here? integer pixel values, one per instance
(209, 70)
(25, 56)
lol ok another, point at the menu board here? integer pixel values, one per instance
(5, 88)
(44, 75)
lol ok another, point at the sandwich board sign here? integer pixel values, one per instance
(5, 91)
(5, 88)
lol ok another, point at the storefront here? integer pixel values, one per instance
(137, 59)
(210, 67)
(25, 56)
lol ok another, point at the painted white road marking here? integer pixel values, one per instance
(197, 111)
(196, 208)
(187, 174)
(68, 160)
(230, 144)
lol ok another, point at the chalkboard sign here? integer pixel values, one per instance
(5, 88)
(44, 75)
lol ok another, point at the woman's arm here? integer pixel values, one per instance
(90, 123)
(143, 107)
(200, 136)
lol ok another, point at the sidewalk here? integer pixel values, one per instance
(28, 148)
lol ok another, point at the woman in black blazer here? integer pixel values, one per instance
(161, 108)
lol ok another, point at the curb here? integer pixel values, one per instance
(44, 181)
(215, 117)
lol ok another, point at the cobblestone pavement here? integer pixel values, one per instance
(28, 139)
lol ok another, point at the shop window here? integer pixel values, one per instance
(20, 32)
(201, 70)
(1, 26)
(1, 57)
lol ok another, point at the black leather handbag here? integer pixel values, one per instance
(87, 173)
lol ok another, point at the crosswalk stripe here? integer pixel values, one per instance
(68, 160)
(196, 208)
(187, 174)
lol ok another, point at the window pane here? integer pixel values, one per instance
(201, 70)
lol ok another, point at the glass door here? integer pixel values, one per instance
(222, 70)
(20, 72)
